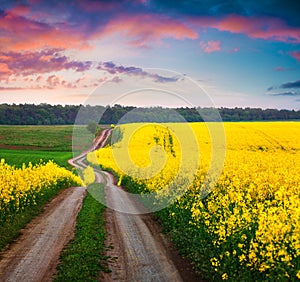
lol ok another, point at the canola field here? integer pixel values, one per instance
(248, 227)
(24, 187)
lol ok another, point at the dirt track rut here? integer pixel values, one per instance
(141, 251)
(34, 256)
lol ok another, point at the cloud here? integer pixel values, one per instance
(20, 10)
(112, 68)
(19, 33)
(145, 29)
(99, 6)
(290, 93)
(295, 84)
(266, 28)
(288, 11)
(291, 86)
(282, 69)
(116, 79)
(296, 55)
(53, 81)
(57, 24)
(3, 88)
(5, 70)
(210, 46)
(39, 79)
(28, 63)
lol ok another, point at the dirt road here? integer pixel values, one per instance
(34, 256)
(141, 251)
(141, 254)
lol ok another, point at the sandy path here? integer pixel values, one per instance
(141, 250)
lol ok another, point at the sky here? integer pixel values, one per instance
(238, 53)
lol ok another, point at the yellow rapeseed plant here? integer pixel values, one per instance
(253, 214)
(23, 187)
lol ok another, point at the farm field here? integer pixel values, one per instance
(42, 138)
(32, 172)
(24, 144)
(24, 190)
(248, 227)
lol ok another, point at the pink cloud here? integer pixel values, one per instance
(280, 69)
(20, 34)
(210, 46)
(141, 30)
(99, 6)
(28, 63)
(20, 10)
(266, 28)
(25, 30)
(4, 69)
(53, 81)
(296, 55)
(39, 78)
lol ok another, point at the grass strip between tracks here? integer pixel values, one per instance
(84, 259)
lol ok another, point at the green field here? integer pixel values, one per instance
(24, 144)
(18, 157)
(41, 138)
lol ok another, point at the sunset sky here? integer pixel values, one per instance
(243, 53)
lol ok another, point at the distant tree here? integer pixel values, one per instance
(92, 127)
(29, 114)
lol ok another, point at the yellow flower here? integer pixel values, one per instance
(224, 276)
(259, 188)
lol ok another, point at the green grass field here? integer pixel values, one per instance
(24, 144)
(41, 138)
(18, 157)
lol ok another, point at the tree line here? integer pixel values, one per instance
(46, 114)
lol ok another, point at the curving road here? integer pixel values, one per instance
(35, 254)
(140, 251)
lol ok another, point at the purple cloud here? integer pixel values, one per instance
(295, 84)
(112, 68)
(290, 93)
(29, 63)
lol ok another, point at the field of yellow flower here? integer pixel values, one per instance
(24, 187)
(248, 227)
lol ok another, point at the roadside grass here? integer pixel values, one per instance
(11, 230)
(83, 259)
